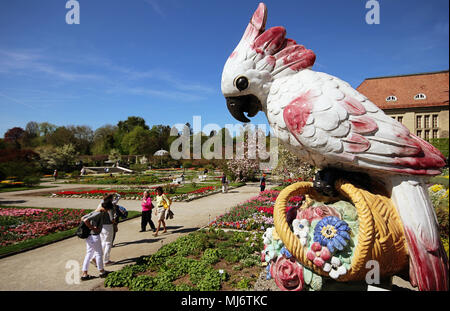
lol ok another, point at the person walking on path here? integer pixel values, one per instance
(55, 174)
(117, 215)
(94, 221)
(262, 182)
(107, 232)
(147, 207)
(224, 183)
(162, 207)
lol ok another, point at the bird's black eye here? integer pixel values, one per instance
(241, 83)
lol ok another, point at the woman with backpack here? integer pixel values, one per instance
(94, 221)
(162, 206)
(146, 217)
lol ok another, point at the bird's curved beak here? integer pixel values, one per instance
(240, 104)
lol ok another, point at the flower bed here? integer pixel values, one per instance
(98, 193)
(136, 194)
(22, 224)
(195, 194)
(117, 180)
(206, 260)
(439, 195)
(253, 214)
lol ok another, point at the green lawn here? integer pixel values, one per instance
(50, 238)
(10, 189)
(188, 187)
(440, 180)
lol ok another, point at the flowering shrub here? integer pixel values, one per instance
(21, 224)
(439, 196)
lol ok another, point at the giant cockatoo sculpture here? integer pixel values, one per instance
(326, 122)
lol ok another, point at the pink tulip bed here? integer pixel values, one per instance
(253, 214)
(23, 224)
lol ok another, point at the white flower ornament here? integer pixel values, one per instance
(335, 269)
(267, 236)
(301, 230)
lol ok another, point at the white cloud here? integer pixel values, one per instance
(27, 62)
(102, 74)
(166, 93)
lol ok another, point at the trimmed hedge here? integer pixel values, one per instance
(442, 144)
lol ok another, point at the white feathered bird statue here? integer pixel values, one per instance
(327, 123)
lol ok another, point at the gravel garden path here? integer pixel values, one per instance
(56, 266)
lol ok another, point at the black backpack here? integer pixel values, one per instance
(83, 231)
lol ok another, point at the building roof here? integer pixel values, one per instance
(435, 86)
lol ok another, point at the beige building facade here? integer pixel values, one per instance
(419, 101)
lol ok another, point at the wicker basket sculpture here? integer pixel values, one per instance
(380, 236)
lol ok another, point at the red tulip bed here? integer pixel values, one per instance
(253, 214)
(195, 194)
(134, 194)
(22, 224)
(98, 193)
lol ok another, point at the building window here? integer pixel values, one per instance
(418, 122)
(400, 119)
(419, 133)
(434, 121)
(391, 98)
(426, 121)
(420, 96)
(435, 133)
(427, 134)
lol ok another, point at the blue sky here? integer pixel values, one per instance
(162, 59)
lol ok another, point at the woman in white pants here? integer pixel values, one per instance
(107, 235)
(93, 221)
(107, 232)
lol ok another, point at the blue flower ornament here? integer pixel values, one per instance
(332, 232)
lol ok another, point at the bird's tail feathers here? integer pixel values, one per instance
(428, 260)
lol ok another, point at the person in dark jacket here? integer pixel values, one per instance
(224, 183)
(262, 182)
